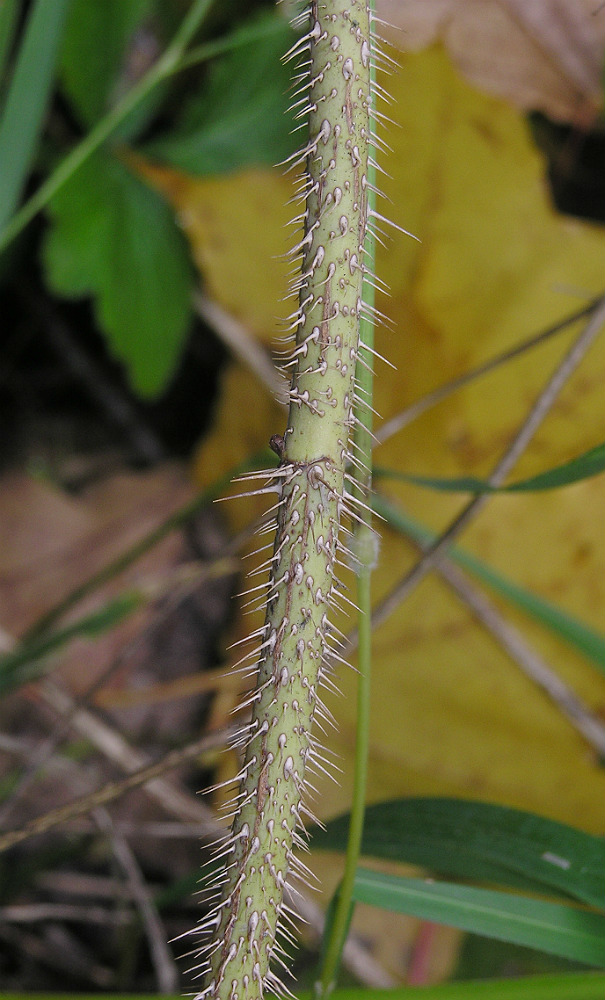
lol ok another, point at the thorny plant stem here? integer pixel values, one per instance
(297, 643)
(365, 553)
(167, 64)
(183, 514)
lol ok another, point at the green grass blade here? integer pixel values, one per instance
(26, 663)
(562, 986)
(579, 635)
(9, 12)
(552, 927)
(590, 463)
(255, 30)
(483, 842)
(27, 99)
(241, 116)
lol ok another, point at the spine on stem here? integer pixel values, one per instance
(248, 926)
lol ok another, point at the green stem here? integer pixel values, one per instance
(296, 645)
(165, 66)
(9, 19)
(365, 551)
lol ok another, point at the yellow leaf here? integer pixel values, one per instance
(245, 419)
(451, 713)
(237, 227)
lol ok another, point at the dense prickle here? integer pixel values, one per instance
(335, 226)
(295, 640)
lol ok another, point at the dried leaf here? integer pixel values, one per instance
(55, 542)
(546, 55)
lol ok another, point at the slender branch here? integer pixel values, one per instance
(112, 400)
(114, 567)
(187, 808)
(527, 659)
(115, 789)
(216, 318)
(509, 638)
(31, 913)
(48, 746)
(426, 402)
(243, 345)
(163, 961)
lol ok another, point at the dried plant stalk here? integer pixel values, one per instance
(297, 643)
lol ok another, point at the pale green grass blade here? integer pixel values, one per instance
(552, 927)
(27, 99)
(255, 30)
(590, 463)
(579, 635)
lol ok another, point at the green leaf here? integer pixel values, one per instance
(239, 118)
(93, 53)
(116, 239)
(113, 121)
(585, 466)
(480, 841)
(579, 635)
(551, 927)
(27, 98)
